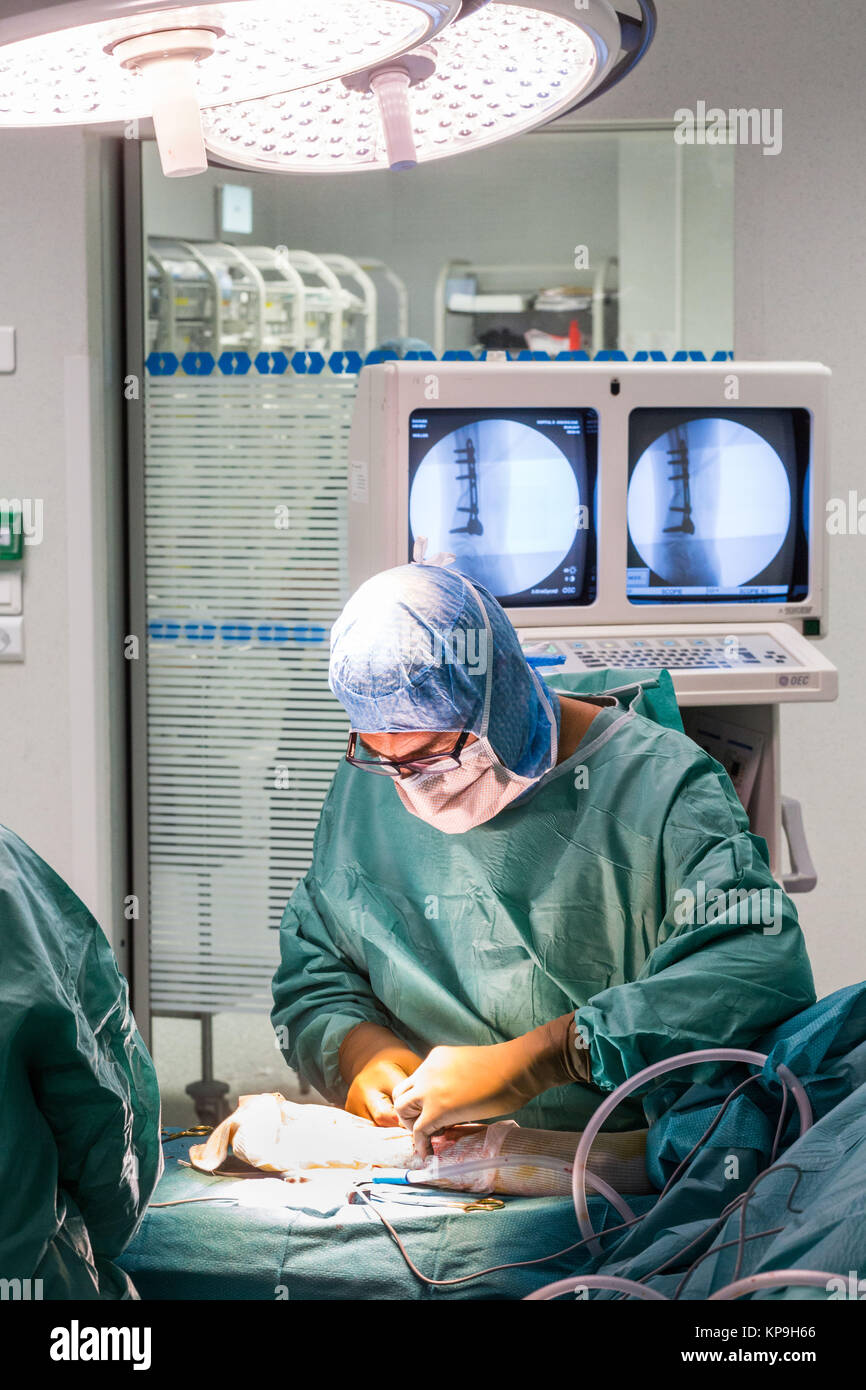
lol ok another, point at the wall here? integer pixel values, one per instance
(61, 788)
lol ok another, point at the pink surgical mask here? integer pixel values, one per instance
(460, 798)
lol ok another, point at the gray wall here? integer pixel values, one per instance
(60, 417)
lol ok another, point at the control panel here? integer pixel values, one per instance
(769, 665)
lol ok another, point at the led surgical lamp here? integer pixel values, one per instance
(313, 85)
(77, 61)
(502, 67)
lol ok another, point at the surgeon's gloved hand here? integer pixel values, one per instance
(374, 1062)
(457, 1084)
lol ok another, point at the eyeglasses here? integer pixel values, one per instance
(394, 767)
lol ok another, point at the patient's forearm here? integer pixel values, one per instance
(619, 1159)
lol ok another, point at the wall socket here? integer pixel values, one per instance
(11, 639)
(7, 349)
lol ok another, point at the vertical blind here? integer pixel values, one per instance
(245, 542)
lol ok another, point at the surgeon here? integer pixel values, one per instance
(519, 895)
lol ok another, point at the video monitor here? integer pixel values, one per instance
(511, 494)
(718, 505)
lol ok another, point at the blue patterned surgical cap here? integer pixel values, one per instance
(409, 653)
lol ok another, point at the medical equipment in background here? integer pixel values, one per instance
(324, 301)
(181, 300)
(373, 267)
(282, 322)
(461, 291)
(238, 299)
(335, 78)
(579, 472)
(216, 297)
(359, 304)
(202, 296)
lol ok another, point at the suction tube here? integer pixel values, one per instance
(598, 1281)
(775, 1279)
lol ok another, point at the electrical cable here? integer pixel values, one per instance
(780, 1125)
(477, 1274)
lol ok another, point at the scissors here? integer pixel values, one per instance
(439, 1200)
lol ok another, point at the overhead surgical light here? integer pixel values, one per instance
(503, 67)
(72, 61)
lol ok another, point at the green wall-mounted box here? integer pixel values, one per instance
(11, 536)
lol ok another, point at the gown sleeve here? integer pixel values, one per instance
(729, 962)
(319, 993)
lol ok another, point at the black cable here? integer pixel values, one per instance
(771, 1231)
(779, 1126)
(478, 1274)
(755, 1076)
(742, 1202)
(747, 1197)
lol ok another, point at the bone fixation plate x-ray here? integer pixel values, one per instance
(511, 495)
(718, 506)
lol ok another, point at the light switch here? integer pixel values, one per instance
(10, 593)
(11, 639)
(7, 349)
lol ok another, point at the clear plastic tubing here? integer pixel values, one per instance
(437, 1170)
(772, 1279)
(598, 1281)
(683, 1059)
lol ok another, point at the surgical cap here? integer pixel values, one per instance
(408, 653)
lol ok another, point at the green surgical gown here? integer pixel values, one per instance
(79, 1102)
(615, 888)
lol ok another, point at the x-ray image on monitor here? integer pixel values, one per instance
(508, 493)
(715, 505)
